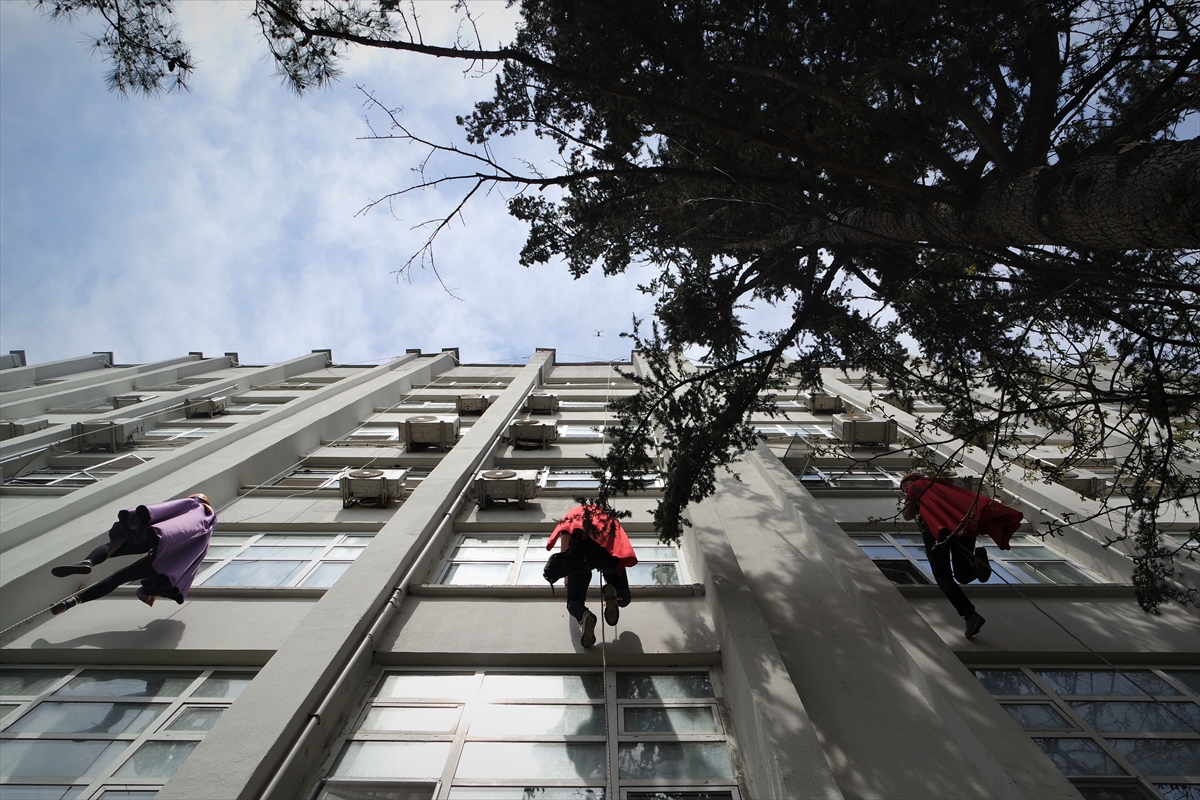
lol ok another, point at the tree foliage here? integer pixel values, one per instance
(952, 197)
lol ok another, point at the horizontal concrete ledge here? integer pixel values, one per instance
(587, 660)
(1044, 659)
(136, 659)
(543, 593)
(1029, 591)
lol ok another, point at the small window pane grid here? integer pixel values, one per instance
(279, 559)
(1099, 723)
(247, 407)
(901, 556)
(590, 433)
(75, 476)
(539, 734)
(70, 733)
(177, 435)
(517, 559)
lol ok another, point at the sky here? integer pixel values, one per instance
(225, 218)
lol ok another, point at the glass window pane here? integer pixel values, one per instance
(862, 539)
(1179, 791)
(492, 540)
(1161, 756)
(646, 686)
(689, 760)
(589, 686)
(49, 717)
(1034, 716)
(393, 760)
(1188, 677)
(1104, 682)
(531, 573)
(455, 686)
(326, 573)
(418, 719)
(195, 720)
(358, 541)
(111, 683)
(26, 682)
(658, 551)
(128, 794)
(1026, 553)
(348, 553)
(882, 552)
(360, 790)
(1052, 572)
(229, 539)
(670, 720)
(484, 553)
(221, 553)
(315, 539)
(1079, 757)
(6, 709)
(256, 573)
(526, 792)
(1134, 716)
(282, 551)
(1006, 681)
(500, 720)
(17, 791)
(224, 684)
(668, 794)
(156, 760)
(532, 760)
(477, 574)
(44, 758)
(650, 574)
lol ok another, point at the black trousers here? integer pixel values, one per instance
(952, 563)
(139, 570)
(595, 558)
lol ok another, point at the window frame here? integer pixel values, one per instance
(210, 567)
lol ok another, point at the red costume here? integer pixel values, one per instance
(952, 511)
(602, 527)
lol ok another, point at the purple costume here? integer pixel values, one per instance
(177, 532)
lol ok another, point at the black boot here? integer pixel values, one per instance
(63, 605)
(63, 570)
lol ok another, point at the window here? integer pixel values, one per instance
(371, 433)
(506, 559)
(65, 476)
(1102, 723)
(541, 734)
(582, 405)
(901, 555)
(421, 407)
(67, 733)
(177, 434)
(594, 433)
(806, 431)
(246, 406)
(268, 560)
(583, 478)
(815, 477)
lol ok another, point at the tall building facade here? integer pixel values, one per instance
(370, 620)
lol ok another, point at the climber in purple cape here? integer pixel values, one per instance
(173, 536)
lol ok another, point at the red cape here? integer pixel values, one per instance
(951, 511)
(604, 528)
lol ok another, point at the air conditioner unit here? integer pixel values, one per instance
(106, 434)
(856, 429)
(12, 428)
(532, 433)
(509, 484)
(472, 403)
(822, 403)
(1083, 481)
(207, 407)
(440, 431)
(123, 400)
(541, 403)
(377, 487)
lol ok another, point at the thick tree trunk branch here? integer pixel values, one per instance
(1145, 196)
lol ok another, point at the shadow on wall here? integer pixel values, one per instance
(157, 634)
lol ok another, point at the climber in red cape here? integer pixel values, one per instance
(950, 518)
(591, 538)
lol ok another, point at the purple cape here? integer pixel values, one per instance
(178, 532)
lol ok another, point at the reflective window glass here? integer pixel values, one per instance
(156, 760)
(196, 719)
(110, 683)
(688, 760)
(550, 687)
(224, 684)
(256, 573)
(56, 758)
(1140, 716)
(1079, 757)
(1034, 716)
(393, 760)
(547, 760)
(537, 720)
(646, 686)
(28, 682)
(1104, 682)
(415, 685)
(50, 717)
(1161, 756)
(326, 574)
(420, 719)
(1006, 681)
(678, 719)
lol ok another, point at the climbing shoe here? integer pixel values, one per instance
(974, 622)
(63, 605)
(612, 612)
(587, 629)
(983, 567)
(63, 570)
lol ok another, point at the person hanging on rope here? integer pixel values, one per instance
(174, 537)
(591, 538)
(950, 518)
